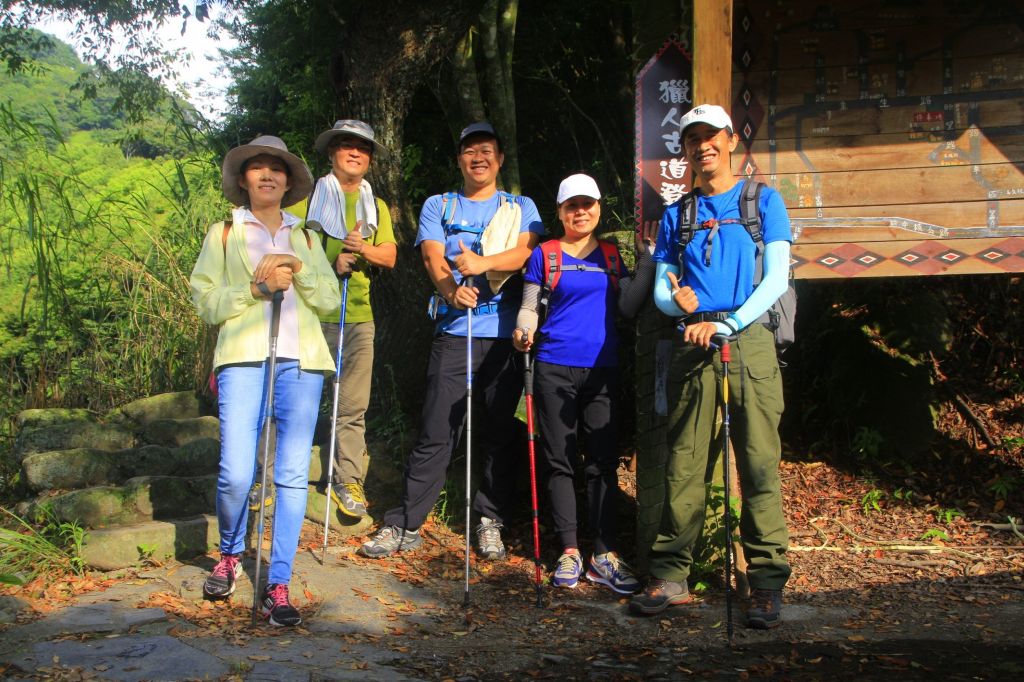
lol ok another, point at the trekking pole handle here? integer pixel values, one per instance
(275, 312)
(528, 373)
(721, 341)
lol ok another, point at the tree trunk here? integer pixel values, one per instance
(467, 85)
(384, 54)
(497, 36)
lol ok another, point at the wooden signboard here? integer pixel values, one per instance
(893, 130)
(664, 92)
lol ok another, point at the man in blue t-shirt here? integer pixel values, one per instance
(474, 243)
(717, 267)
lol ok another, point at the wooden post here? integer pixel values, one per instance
(712, 52)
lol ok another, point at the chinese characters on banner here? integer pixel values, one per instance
(664, 93)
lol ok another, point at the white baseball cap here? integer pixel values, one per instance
(712, 114)
(578, 185)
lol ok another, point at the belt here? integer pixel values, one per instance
(483, 309)
(706, 317)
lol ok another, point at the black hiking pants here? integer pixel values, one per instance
(497, 387)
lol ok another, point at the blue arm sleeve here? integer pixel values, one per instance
(773, 284)
(663, 290)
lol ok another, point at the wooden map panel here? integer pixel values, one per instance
(894, 131)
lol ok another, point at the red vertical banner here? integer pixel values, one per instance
(664, 92)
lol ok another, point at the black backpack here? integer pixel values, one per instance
(781, 317)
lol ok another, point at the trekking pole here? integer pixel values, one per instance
(722, 341)
(531, 437)
(469, 435)
(268, 418)
(334, 414)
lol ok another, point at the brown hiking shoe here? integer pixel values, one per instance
(658, 596)
(765, 609)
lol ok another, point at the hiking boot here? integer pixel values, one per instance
(658, 596)
(568, 570)
(608, 569)
(765, 609)
(488, 539)
(350, 498)
(390, 539)
(277, 609)
(254, 496)
(221, 581)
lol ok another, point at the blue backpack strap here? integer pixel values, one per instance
(449, 201)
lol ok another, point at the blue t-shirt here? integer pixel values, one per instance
(580, 327)
(725, 284)
(467, 223)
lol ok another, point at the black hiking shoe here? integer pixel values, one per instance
(765, 609)
(390, 539)
(277, 609)
(221, 581)
(658, 596)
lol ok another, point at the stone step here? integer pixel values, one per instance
(108, 549)
(346, 526)
(184, 405)
(177, 432)
(85, 467)
(140, 499)
(60, 429)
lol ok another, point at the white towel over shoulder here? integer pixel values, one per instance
(327, 208)
(501, 234)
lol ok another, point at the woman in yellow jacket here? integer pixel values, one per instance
(264, 249)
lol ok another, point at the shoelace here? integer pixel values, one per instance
(356, 492)
(567, 562)
(490, 535)
(278, 595)
(225, 567)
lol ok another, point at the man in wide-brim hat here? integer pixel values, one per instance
(359, 240)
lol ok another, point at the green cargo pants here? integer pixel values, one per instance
(755, 408)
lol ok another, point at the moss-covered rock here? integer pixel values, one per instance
(118, 547)
(140, 499)
(86, 467)
(178, 432)
(183, 405)
(42, 433)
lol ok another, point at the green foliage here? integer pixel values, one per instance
(866, 443)
(872, 499)
(903, 495)
(1002, 486)
(934, 533)
(26, 552)
(947, 515)
(709, 554)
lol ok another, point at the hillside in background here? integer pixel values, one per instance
(100, 221)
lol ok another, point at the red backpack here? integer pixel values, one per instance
(552, 250)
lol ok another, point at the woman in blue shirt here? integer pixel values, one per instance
(580, 280)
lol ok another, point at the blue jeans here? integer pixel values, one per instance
(242, 400)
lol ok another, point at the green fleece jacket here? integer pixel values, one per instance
(221, 294)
